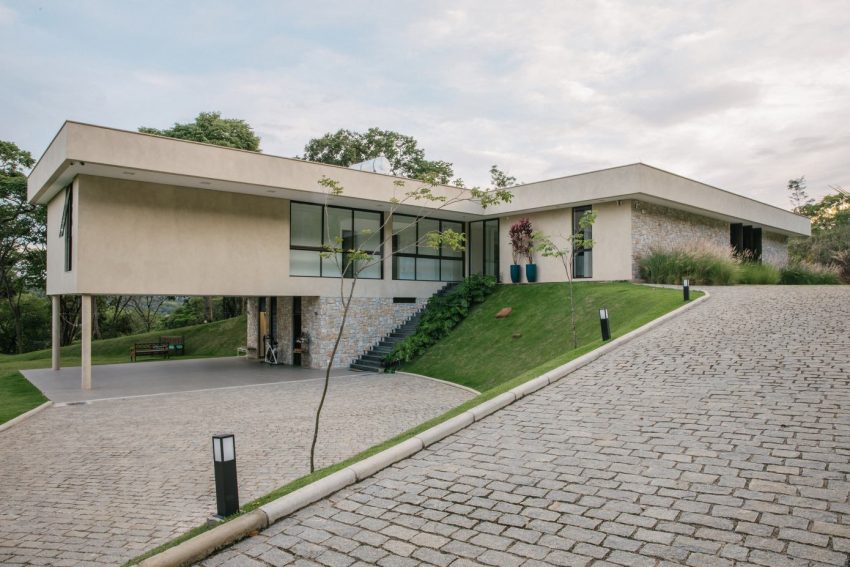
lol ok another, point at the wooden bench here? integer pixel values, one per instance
(149, 349)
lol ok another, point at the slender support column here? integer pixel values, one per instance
(86, 341)
(55, 331)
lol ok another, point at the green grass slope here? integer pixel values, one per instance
(17, 395)
(484, 352)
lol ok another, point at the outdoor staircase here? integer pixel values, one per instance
(373, 359)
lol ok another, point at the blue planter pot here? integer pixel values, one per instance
(516, 275)
(531, 273)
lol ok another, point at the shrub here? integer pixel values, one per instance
(804, 273)
(753, 273)
(704, 263)
(442, 314)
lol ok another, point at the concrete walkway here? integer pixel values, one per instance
(164, 377)
(98, 483)
(721, 438)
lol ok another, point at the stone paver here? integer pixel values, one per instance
(97, 484)
(720, 438)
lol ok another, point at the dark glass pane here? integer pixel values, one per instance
(339, 227)
(306, 223)
(451, 270)
(303, 263)
(476, 247)
(404, 268)
(427, 269)
(447, 251)
(491, 247)
(367, 231)
(426, 226)
(404, 234)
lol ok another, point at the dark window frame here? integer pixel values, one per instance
(374, 252)
(579, 251)
(415, 255)
(484, 245)
(66, 226)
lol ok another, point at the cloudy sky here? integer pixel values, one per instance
(742, 95)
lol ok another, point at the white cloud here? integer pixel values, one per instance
(739, 95)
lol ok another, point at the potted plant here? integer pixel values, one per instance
(521, 239)
(530, 266)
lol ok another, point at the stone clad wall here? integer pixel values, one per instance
(369, 320)
(774, 248)
(654, 226)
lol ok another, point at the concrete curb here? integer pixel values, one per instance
(446, 382)
(190, 550)
(16, 420)
(205, 544)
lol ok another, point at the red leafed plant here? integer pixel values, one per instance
(522, 241)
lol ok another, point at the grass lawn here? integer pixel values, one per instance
(483, 352)
(17, 395)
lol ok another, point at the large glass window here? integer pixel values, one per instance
(582, 257)
(413, 259)
(312, 229)
(484, 247)
(65, 229)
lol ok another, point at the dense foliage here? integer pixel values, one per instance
(407, 159)
(712, 265)
(830, 240)
(442, 314)
(211, 128)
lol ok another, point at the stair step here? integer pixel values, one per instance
(365, 367)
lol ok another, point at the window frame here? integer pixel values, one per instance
(416, 255)
(375, 252)
(577, 213)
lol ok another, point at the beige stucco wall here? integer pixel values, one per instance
(137, 238)
(611, 235)
(59, 281)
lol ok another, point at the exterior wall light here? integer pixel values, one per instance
(606, 327)
(686, 288)
(224, 463)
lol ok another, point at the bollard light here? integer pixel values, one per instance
(603, 320)
(224, 463)
(686, 288)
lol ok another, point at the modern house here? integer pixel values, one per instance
(136, 214)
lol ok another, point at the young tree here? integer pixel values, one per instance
(351, 261)
(407, 159)
(797, 194)
(564, 248)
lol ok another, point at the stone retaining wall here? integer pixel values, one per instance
(369, 320)
(774, 248)
(655, 226)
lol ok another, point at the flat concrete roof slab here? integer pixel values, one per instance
(148, 378)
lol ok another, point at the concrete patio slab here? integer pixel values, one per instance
(164, 377)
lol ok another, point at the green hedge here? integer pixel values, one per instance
(802, 274)
(442, 314)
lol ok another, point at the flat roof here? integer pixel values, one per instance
(80, 148)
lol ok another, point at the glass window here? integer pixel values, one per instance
(306, 225)
(476, 247)
(404, 234)
(491, 247)
(367, 231)
(427, 226)
(446, 250)
(427, 268)
(339, 227)
(451, 270)
(312, 230)
(583, 257)
(304, 263)
(404, 268)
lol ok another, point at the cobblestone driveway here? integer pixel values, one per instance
(99, 483)
(721, 438)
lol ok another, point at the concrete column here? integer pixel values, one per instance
(86, 341)
(55, 330)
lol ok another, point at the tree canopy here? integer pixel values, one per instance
(830, 240)
(407, 159)
(211, 128)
